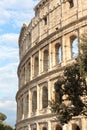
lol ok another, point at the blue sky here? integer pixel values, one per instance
(13, 13)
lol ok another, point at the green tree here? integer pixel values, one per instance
(2, 116)
(4, 126)
(71, 89)
(82, 59)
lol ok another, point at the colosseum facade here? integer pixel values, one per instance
(46, 46)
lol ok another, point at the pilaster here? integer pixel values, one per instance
(38, 99)
(50, 57)
(49, 125)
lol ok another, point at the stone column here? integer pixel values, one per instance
(49, 90)
(49, 125)
(23, 107)
(17, 114)
(49, 93)
(64, 50)
(70, 126)
(37, 126)
(50, 57)
(84, 124)
(65, 127)
(38, 99)
(28, 127)
(29, 103)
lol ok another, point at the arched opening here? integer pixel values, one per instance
(34, 101)
(36, 66)
(75, 127)
(44, 97)
(34, 129)
(58, 53)
(71, 3)
(74, 46)
(45, 60)
(58, 127)
(44, 128)
(45, 20)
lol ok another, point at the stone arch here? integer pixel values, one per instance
(58, 127)
(44, 97)
(74, 46)
(34, 101)
(75, 127)
(45, 60)
(58, 53)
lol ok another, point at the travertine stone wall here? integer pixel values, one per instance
(46, 46)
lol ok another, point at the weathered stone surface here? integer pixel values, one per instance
(46, 45)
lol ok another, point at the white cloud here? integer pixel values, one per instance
(4, 16)
(13, 13)
(9, 109)
(20, 17)
(8, 53)
(8, 71)
(18, 11)
(8, 105)
(18, 4)
(8, 64)
(6, 3)
(9, 47)
(10, 38)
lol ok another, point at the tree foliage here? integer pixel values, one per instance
(71, 88)
(4, 126)
(2, 116)
(82, 59)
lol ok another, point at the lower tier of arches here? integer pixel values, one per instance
(51, 124)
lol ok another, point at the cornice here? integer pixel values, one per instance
(40, 4)
(36, 118)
